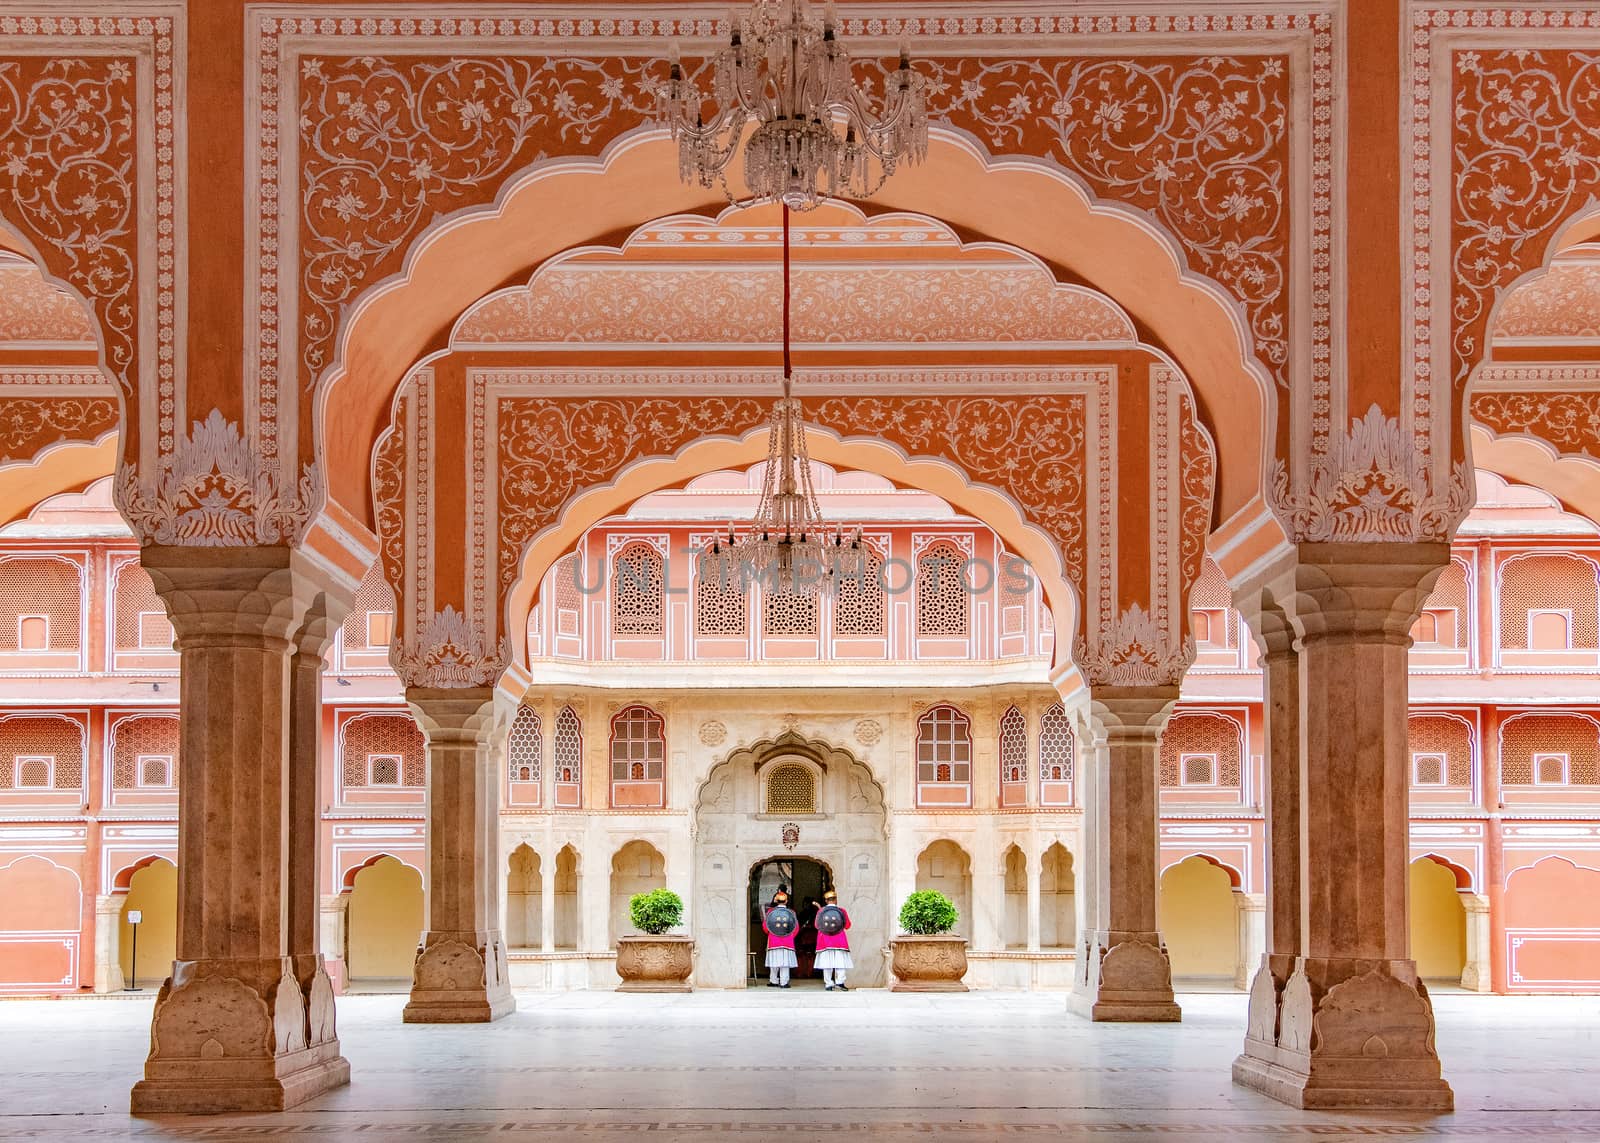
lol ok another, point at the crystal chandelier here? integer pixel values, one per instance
(785, 70)
(787, 546)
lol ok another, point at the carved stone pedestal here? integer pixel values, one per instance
(460, 978)
(1342, 1034)
(928, 963)
(1125, 976)
(655, 964)
(240, 1035)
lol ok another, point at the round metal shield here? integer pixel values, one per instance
(782, 920)
(830, 920)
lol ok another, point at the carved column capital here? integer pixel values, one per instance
(1368, 592)
(1130, 715)
(462, 716)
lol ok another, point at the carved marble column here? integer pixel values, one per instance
(1279, 659)
(235, 1027)
(335, 918)
(318, 625)
(108, 942)
(1035, 870)
(460, 975)
(1251, 911)
(1476, 975)
(1352, 1024)
(1125, 973)
(547, 902)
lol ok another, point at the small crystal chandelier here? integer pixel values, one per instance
(785, 70)
(787, 546)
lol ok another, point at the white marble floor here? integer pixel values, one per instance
(803, 1065)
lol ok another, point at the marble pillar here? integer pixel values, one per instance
(1035, 873)
(241, 1024)
(108, 942)
(547, 902)
(1125, 972)
(318, 625)
(460, 975)
(335, 936)
(1251, 912)
(1476, 975)
(1344, 1021)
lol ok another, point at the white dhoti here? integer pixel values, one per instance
(779, 962)
(834, 963)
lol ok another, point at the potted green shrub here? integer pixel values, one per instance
(926, 956)
(655, 960)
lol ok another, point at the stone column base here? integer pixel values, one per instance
(1329, 1033)
(240, 1035)
(1126, 977)
(460, 978)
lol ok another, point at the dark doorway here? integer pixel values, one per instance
(806, 881)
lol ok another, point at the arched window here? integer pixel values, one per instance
(35, 772)
(155, 770)
(1549, 603)
(45, 601)
(942, 603)
(135, 742)
(638, 758)
(383, 749)
(944, 758)
(33, 632)
(1548, 749)
(525, 748)
(791, 789)
(383, 769)
(1200, 748)
(785, 613)
(1441, 750)
(41, 751)
(370, 624)
(636, 590)
(1056, 756)
(858, 603)
(567, 756)
(569, 600)
(140, 618)
(719, 601)
(1013, 758)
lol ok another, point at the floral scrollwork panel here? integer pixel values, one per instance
(1526, 144)
(1201, 143)
(1029, 447)
(67, 173)
(388, 145)
(29, 425)
(1570, 421)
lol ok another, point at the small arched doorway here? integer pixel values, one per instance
(1438, 922)
(753, 809)
(384, 924)
(1199, 921)
(806, 880)
(153, 894)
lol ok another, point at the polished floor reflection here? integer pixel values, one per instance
(800, 1065)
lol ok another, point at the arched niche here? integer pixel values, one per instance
(732, 832)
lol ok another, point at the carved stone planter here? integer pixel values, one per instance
(928, 964)
(655, 964)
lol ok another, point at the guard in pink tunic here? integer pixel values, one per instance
(833, 946)
(780, 932)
